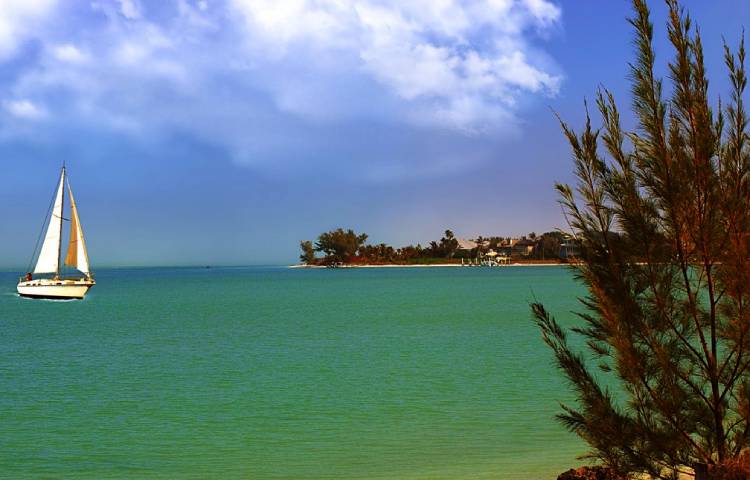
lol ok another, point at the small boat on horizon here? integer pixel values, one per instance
(48, 261)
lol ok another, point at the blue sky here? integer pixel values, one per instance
(223, 132)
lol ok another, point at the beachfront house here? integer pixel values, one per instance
(466, 248)
(523, 247)
(569, 248)
(466, 245)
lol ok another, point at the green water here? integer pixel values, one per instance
(274, 373)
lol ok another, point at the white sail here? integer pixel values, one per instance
(49, 256)
(77, 256)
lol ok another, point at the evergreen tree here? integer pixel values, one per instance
(308, 252)
(663, 216)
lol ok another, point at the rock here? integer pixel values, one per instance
(589, 473)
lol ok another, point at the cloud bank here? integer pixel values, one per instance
(454, 64)
(280, 83)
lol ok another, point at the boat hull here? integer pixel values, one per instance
(55, 289)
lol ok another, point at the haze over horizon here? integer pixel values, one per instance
(224, 132)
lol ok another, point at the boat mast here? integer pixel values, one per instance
(62, 209)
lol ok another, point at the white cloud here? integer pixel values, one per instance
(69, 53)
(130, 9)
(24, 109)
(544, 12)
(280, 24)
(20, 19)
(446, 53)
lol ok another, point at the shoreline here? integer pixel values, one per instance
(439, 265)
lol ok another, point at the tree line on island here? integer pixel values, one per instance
(349, 247)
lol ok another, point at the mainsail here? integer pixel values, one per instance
(77, 256)
(49, 255)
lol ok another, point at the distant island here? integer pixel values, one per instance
(342, 248)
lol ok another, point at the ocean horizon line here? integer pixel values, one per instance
(10, 269)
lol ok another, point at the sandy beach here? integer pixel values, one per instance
(395, 265)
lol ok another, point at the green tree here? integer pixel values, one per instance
(308, 252)
(339, 245)
(435, 250)
(548, 247)
(663, 226)
(480, 249)
(449, 244)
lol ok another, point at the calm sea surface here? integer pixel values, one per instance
(275, 373)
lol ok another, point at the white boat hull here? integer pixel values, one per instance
(55, 289)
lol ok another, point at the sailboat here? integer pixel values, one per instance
(48, 261)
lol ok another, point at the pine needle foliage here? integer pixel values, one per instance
(662, 214)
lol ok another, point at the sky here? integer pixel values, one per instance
(225, 131)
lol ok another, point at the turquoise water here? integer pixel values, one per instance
(276, 373)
